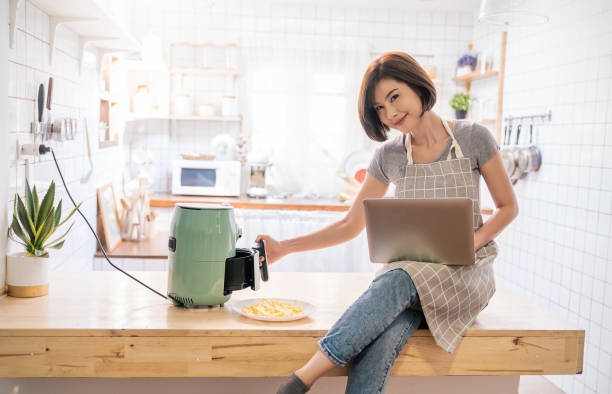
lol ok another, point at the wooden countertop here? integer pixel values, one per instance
(102, 324)
(168, 200)
(155, 247)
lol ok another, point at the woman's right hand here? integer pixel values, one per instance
(274, 248)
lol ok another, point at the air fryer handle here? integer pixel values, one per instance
(263, 261)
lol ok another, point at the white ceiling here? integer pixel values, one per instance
(455, 5)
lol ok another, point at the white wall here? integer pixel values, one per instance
(74, 95)
(558, 252)
(279, 32)
(3, 146)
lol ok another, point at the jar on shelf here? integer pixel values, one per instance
(207, 110)
(229, 106)
(142, 102)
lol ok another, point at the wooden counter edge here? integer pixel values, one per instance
(71, 332)
(279, 356)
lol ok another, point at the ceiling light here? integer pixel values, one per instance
(514, 12)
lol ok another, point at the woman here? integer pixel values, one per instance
(432, 158)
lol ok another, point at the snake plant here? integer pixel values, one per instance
(34, 222)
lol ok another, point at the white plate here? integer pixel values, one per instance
(356, 161)
(308, 309)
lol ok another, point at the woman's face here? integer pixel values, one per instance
(397, 105)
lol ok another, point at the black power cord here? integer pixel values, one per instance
(44, 149)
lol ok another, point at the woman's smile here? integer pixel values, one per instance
(400, 121)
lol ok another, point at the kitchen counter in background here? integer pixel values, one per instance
(167, 200)
(308, 215)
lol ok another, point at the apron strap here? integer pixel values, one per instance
(454, 145)
(408, 146)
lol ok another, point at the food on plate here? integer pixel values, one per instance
(273, 308)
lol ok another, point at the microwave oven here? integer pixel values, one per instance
(206, 177)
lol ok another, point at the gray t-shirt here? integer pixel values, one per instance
(476, 141)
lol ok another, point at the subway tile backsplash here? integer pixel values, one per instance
(557, 252)
(74, 96)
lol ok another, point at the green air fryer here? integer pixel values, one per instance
(204, 265)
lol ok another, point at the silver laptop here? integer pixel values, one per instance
(427, 230)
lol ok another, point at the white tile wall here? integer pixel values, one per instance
(74, 96)
(558, 251)
(292, 28)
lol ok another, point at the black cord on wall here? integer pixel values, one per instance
(44, 149)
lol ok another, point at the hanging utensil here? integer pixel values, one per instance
(49, 95)
(535, 154)
(524, 157)
(515, 156)
(506, 153)
(41, 101)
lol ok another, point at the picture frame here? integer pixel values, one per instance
(108, 217)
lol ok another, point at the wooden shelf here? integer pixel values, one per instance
(475, 76)
(204, 71)
(499, 75)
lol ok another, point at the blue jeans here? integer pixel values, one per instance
(373, 330)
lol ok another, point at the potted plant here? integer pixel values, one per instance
(32, 226)
(466, 64)
(461, 104)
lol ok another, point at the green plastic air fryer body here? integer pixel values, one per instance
(204, 236)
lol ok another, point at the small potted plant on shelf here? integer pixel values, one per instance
(461, 104)
(32, 226)
(466, 64)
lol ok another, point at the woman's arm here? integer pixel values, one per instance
(504, 198)
(336, 233)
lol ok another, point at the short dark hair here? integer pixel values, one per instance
(398, 66)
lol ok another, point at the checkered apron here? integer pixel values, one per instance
(451, 296)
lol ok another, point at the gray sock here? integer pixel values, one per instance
(293, 385)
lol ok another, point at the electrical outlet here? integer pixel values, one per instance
(29, 150)
(33, 150)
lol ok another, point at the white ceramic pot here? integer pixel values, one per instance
(229, 106)
(27, 276)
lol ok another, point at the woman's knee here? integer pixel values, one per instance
(396, 280)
